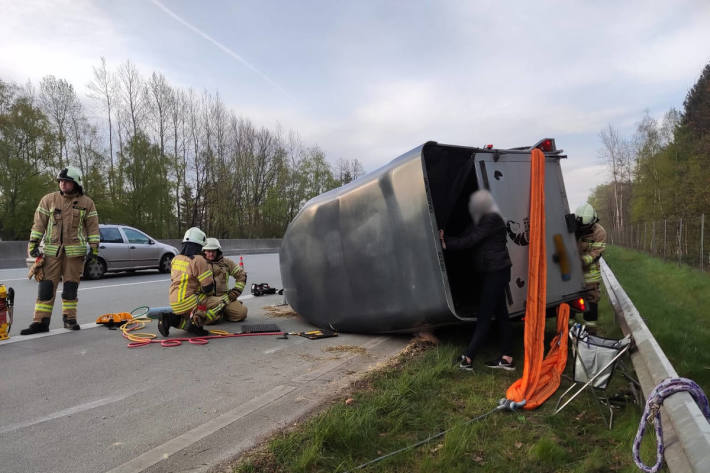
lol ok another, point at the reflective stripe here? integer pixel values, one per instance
(35, 235)
(44, 211)
(43, 307)
(180, 307)
(179, 265)
(80, 230)
(204, 275)
(48, 247)
(69, 305)
(93, 213)
(94, 238)
(183, 287)
(75, 250)
(239, 285)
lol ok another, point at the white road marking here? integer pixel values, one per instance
(161, 452)
(16, 337)
(67, 412)
(124, 284)
(20, 279)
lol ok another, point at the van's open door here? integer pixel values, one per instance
(507, 176)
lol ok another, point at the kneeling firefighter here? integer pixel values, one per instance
(190, 282)
(222, 269)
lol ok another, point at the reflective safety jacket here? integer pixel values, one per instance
(68, 221)
(591, 246)
(222, 269)
(190, 280)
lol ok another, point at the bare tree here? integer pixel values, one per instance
(57, 97)
(102, 89)
(132, 94)
(159, 98)
(618, 155)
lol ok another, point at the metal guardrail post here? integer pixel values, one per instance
(686, 432)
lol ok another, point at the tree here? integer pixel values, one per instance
(103, 89)
(58, 98)
(617, 153)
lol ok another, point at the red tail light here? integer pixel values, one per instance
(579, 305)
(489, 146)
(546, 145)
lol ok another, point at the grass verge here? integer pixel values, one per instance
(424, 393)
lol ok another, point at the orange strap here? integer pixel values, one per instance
(541, 377)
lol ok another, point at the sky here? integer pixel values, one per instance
(373, 79)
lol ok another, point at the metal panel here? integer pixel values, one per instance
(366, 257)
(507, 176)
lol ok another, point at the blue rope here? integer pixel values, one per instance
(652, 413)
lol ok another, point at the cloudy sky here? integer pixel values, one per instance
(371, 80)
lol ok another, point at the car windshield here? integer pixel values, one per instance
(111, 235)
(134, 236)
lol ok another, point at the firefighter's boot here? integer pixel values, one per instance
(70, 324)
(195, 330)
(165, 321)
(36, 327)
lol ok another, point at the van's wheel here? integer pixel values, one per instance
(165, 262)
(94, 269)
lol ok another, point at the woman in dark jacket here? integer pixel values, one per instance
(487, 236)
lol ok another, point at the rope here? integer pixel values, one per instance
(141, 339)
(652, 413)
(503, 405)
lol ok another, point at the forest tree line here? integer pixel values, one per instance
(154, 156)
(661, 173)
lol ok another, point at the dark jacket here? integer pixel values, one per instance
(488, 240)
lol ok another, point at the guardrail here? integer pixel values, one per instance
(13, 253)
(686, 432)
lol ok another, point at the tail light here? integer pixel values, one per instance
(579, 305)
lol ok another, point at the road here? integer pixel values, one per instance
(84, 402)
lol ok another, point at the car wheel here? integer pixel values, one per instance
(94, 269)
(165, 262)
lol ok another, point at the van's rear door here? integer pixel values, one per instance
(506, 174)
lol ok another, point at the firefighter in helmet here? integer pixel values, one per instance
(591, 242)
(191, 282)
(222, 269)
(68, 224)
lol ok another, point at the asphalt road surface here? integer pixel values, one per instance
(85, 402)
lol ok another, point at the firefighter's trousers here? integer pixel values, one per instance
(63, 268)
(218, 309)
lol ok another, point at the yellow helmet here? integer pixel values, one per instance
(195, 235)
(586, 215)
(212, 244)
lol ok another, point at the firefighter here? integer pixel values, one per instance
(222, 269)
(591, 241)
(190, 283)
(68, 223)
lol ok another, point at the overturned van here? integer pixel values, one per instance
(366, 257)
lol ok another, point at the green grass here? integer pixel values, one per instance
(675, 304)
(425, 393)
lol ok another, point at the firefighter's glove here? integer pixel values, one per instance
(199, 315)
(37, 270)
(94, 251)
(233, 294)
(33, 249)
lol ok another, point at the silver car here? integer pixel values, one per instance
(124, 248)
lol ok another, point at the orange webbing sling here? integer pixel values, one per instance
(541, 377)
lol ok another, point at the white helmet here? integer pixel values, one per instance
(195, 235)
(212, 244)
(586, 215)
